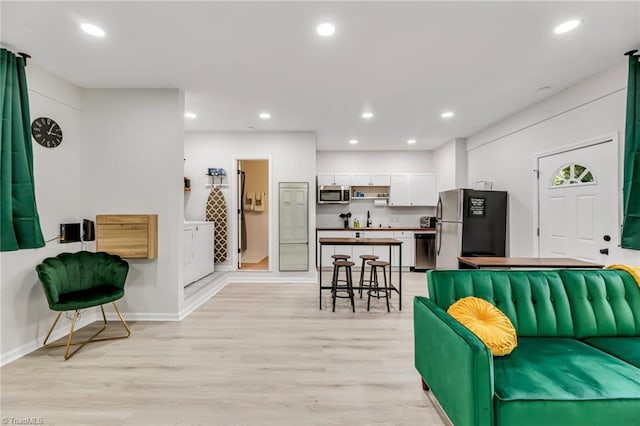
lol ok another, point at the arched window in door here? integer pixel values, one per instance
(572, 174)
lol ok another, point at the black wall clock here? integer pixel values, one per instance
(46, 132)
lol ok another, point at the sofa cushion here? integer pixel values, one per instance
(560, 381)
(549, 303)
(625, 348)
(487, 322)
(603, 302)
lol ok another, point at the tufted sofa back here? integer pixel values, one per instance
(550, 303)
(70, 272)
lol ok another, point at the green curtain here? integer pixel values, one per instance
(19, 221)
(631, 181)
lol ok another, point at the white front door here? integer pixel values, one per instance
(578, 202)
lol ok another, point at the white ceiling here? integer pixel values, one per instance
(405, 62)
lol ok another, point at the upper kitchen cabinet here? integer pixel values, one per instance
(399, 192)
(423, 189)
(366, 179)
(413, 189)
(334, 179)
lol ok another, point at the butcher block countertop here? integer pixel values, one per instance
(414, 229)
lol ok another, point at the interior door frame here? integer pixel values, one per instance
(235, 225)
(611, 137)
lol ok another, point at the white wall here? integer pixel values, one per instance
(293, 159)
(58, 172)
(328, 215)
(375, 161)
(134, 144)
(504, 153)
(450, 162)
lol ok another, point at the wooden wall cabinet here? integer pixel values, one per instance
(130, 236)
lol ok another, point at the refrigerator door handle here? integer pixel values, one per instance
(439, 209)
(438, 237)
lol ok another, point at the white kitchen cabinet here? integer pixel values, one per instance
(408, 247)
(399, 192)
(334, 179)
(423, 189)
(325, 179)
(198, 240)
(342, 178)
(360, 179)
(383, 179)
(370, 179)
(413, 189)
(327, 251)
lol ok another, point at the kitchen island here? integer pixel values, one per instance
(388, 242)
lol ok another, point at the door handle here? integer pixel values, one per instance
(439, 237)
(604, 251)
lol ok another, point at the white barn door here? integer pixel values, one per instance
(578, 202)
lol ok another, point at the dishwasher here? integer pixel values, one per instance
(425, 251)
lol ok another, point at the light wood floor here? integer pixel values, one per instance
(263, 265)
(255, 354)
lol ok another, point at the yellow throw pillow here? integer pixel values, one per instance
(487, 322)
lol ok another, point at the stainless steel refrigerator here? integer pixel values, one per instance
(470, 223)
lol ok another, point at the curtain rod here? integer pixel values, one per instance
(631, 52)
(24, 55)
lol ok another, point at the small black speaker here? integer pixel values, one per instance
(69, 232)
(88, 230)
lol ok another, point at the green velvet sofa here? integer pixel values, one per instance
(578, 356)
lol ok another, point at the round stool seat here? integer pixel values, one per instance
(340, 256)
(343, 263)
(369, 256)
(377, 263)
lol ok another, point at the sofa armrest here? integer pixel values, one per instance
(455, 364)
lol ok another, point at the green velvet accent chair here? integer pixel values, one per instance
(74, 281)
(578, 356)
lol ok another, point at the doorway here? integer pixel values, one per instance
(253, 215)
(578, 201)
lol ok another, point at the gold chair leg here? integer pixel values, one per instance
(124, 323)
(91, 339)
(73, 324)
(51, 329)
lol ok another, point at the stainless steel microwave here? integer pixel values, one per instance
(334, 194)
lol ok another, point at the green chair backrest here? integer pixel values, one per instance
(70, 272)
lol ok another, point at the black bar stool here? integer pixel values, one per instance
(364, 258)
(374, 284)
(335, 268)
(347, 288)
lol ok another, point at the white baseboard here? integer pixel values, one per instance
(225, 268)
(200, 299)
(37, 343)
(142, 316)
(263, 277)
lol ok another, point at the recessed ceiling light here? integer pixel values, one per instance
(367, 115)
(353, 141)
(265, 115)
(565, 27)
(92, 29)
(411, 141)
(190, 115)
(447, 114)
(326, 29)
